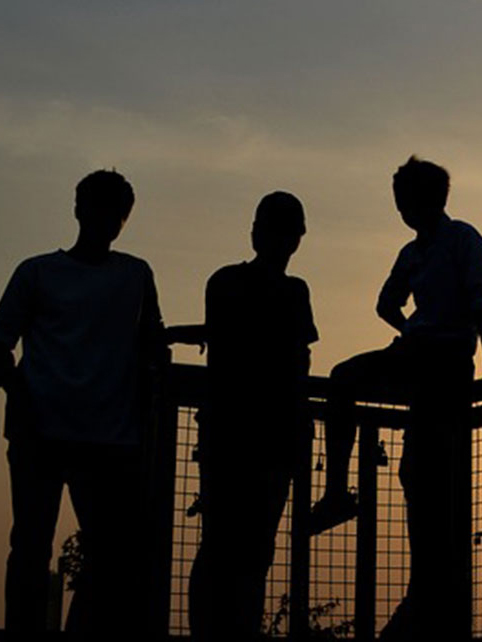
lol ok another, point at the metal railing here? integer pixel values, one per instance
(348, 580)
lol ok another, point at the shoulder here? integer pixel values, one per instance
(406, 257)
(464, 230)
(31, 265)
(297, 283)
(129, 259)
(407, 251)
(298, 286)
(49, 258)
(227, 275)
(131, 263)
(465, 241)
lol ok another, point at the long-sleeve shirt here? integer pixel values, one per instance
(444, 275)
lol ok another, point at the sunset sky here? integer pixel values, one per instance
(207, 105)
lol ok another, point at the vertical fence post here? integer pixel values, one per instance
(460, 542)
(158, 506)
(365, 590)
(300, 545)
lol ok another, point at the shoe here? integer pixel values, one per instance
(330, 512)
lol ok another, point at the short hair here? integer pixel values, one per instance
(104, 190)
(421, 182)
(282, 211)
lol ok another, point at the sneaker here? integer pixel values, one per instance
(330, 512)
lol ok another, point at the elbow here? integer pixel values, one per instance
(7, 367)
(387, 312)
(382, 309)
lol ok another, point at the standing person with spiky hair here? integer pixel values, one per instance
(259, 326)
(432, 361)
(90, 324)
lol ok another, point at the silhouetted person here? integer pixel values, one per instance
(432, 360)
(259, 325)
(90, 327)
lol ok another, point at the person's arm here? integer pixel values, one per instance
(469, 264)
(7, 366)
(219, 308)
(16, 311)
(154, 348)
(308, 332)
(221, 322)
(392, 315)
(394, 294)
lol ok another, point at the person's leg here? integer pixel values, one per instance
(423, 479)
(211, 583)
(242, 502)
(438, 509)
(349, 379)
(36, 488)
(201, 605)
(256, 529)
(201, 589)
(104, 485)
(81, 483)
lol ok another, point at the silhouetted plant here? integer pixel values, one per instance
(72, 559)
(273, 627)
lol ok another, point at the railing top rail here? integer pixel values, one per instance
(381, 406)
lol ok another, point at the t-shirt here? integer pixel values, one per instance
(259, 326)
(444, 275)
(85, 329)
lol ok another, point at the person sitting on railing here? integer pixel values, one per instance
(91, 332)
(432, 361)
(259, 325)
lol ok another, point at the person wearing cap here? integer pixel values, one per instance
(259, 325)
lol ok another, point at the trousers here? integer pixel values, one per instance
(103, 482)
(243, 493)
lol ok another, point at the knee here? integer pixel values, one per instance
(339, 372)
(347, 372)
(341, 383)
(259, 556)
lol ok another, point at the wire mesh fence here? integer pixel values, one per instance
(477, 531)
(187, 521)
(332, 554)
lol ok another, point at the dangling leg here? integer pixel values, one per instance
(347, 380)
